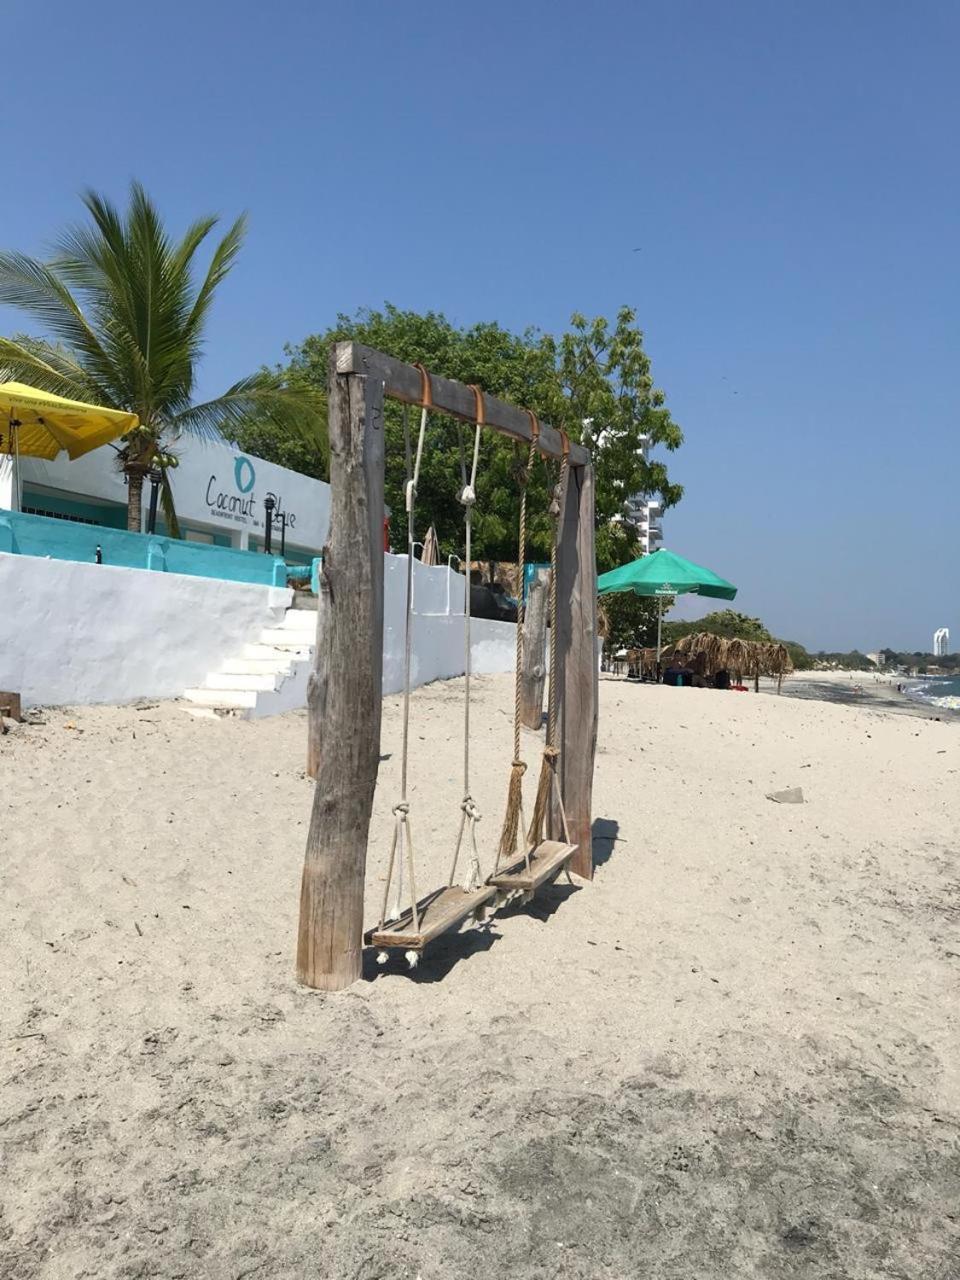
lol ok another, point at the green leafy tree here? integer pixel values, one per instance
(606, 382)
(592, 372)
(724, 622)
(730, 624)
(630, 619)
(123, 319)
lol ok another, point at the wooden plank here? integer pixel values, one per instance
(402, 382)
(533, 675)
(577, 675)
(438, 912)
(346, 688)
(549, 857)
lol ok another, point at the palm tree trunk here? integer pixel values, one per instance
(135, 499)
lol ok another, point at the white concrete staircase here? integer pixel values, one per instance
(266, 678)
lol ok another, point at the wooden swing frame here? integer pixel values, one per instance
(345, 688)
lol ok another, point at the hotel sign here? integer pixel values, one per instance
(238, 501)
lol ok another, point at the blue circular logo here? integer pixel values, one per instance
(244, 474)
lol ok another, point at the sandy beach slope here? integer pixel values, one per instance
(734, 1054)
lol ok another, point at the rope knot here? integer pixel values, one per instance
(551, 753)
(520, 767)
(469, 807)
(468, 497)
(401, 808)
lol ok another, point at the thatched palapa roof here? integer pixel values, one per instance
(747, 657)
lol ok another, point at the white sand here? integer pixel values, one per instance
(734, 1054)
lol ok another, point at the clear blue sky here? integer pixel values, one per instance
(788, 171)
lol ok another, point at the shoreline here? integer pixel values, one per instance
(876, 693)
(858, 689)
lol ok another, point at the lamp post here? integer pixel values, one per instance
(268, 505)
(155, 475)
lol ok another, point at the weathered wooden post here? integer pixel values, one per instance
(344, 696)
(346, 684)
(577, 675)
(534, 672)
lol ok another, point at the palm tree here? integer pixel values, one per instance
(124, 320)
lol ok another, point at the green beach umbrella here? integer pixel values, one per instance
(663, 573)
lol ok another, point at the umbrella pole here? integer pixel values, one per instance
(659, 626)
(17, 496)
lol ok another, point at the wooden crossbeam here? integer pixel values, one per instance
(402, 382)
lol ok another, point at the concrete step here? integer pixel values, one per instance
(286, 638)
(201, 713)
(300, 620)
(221, 697)
(227, 680)
(257, 651)
(279, 663)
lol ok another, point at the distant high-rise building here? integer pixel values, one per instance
(645, 513)
(941, 642)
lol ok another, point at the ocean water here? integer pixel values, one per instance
(937, 691)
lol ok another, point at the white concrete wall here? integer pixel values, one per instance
(438, 635)
(8, 499)
(81, 633)
(73, 633)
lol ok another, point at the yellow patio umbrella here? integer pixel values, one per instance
(38, 424)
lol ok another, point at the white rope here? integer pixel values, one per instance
(402, 842)
(470, 811)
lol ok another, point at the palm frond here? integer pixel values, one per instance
(138, 286)
(36, 288)
(262, 395)
(224, 256)
(49, 367)
(122, 317)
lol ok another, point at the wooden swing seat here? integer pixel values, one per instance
(440, 911)
(548, 859)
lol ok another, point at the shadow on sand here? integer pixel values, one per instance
(439, 958)
(605, 832)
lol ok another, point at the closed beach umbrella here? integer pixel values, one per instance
(430, 552)
(663, 573)
(38, 424)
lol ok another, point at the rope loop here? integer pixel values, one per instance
(401, 808)
(426, 390)
(520, 766)
(534, 426)
(480, 412)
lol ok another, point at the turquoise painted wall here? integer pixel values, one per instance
(219, 539)
(28, 535)
(107, 514)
